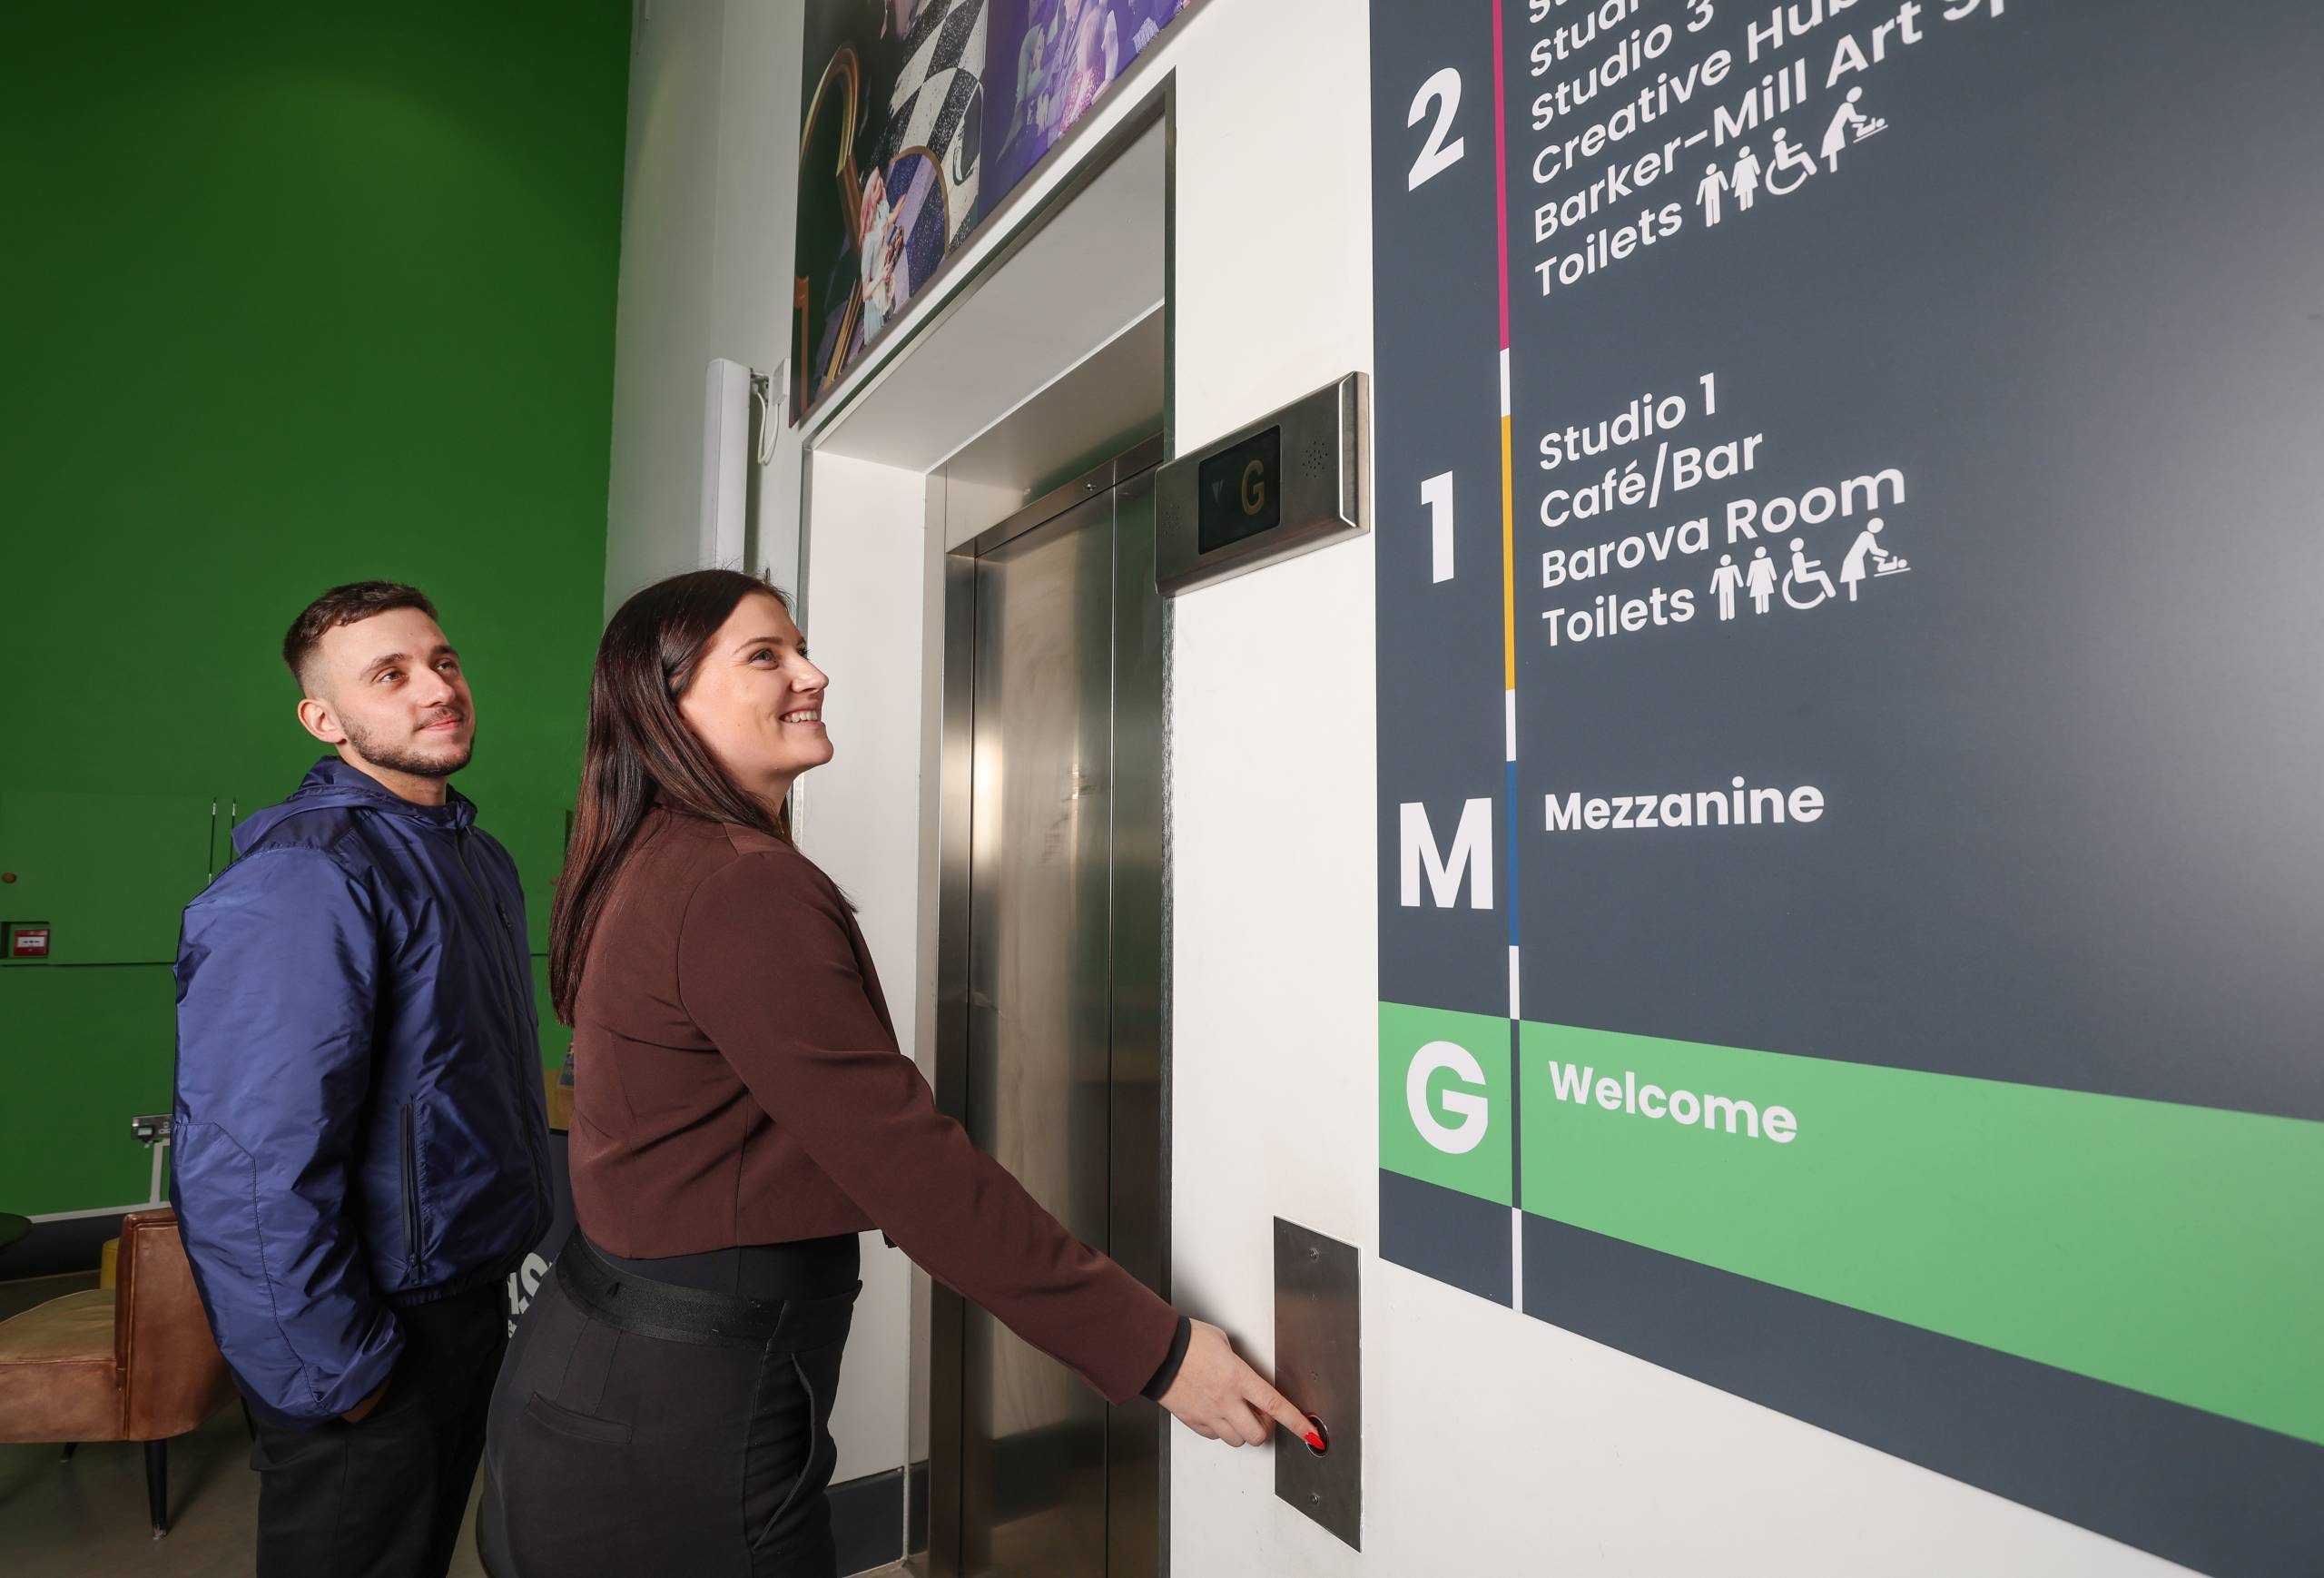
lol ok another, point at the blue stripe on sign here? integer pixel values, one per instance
(1512, 854)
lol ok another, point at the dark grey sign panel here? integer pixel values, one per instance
(1440, 729)
(2055, 324)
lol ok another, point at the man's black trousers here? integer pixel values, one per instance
(384, 1498)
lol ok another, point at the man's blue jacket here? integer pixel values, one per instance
(359, 1119)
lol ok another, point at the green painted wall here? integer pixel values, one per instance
(294, 295)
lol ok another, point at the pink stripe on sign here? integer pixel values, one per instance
(1500, 177)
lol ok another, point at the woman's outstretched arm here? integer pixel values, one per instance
(767, 967)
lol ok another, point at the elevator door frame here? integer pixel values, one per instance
(1139, 1193)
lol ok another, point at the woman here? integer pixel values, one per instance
(741, 1113)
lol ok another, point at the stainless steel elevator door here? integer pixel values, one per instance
(1062, 962)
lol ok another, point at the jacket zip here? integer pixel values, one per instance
(512, 984)
(410, 1192)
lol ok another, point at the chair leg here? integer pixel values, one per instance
(157, 1485)
(70, 1448)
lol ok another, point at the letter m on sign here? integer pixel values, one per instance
(1470, 856)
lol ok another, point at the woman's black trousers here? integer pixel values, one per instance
(640, 1426)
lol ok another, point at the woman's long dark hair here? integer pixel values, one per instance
(640, 754)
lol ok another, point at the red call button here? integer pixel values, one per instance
(28, 942)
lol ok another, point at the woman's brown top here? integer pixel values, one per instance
(736, 1081)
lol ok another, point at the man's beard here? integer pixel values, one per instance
(400, 758)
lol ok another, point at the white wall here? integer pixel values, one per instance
(1495, 1443)
(707, 219)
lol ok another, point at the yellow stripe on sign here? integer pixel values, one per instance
(1508, 566)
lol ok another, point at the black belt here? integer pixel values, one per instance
(802, 1268)
(629, 1302)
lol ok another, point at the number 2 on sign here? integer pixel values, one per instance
(1436, 155)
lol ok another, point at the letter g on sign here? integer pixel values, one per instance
(1452, 1139)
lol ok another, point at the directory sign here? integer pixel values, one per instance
(1852, 900)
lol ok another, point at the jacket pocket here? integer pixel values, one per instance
(410, 1190)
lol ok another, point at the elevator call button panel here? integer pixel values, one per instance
(1291, 481)
(1319, 1366)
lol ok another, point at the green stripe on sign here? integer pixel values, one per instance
(1444, 1099)
(2169, 1249)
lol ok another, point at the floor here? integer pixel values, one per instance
(86, 1518)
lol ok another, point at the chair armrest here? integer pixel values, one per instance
(172, 1376)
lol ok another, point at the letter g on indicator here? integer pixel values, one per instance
(1454, 1138)
(1254, 488)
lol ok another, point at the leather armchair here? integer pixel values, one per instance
(131, 1363)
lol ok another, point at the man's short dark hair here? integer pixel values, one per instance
(344, 605)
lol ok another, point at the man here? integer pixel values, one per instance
(361, 1153)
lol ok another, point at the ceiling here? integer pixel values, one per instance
(1111, 400)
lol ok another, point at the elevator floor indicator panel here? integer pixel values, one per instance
(1288, 483)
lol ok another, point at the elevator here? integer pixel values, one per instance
(1049, 1034)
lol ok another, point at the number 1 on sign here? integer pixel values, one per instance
(1436, 155)
(1436, 493)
